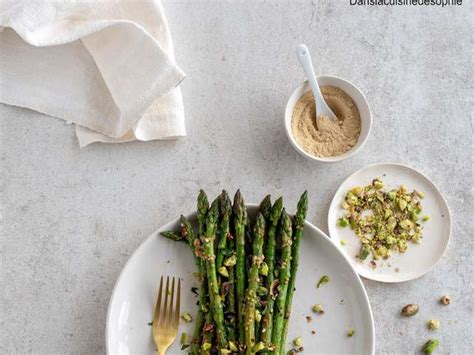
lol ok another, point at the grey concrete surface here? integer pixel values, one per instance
(72, 217)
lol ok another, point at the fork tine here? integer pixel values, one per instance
(156, 316)
(178, 301)
(163, 318)
(169, 320)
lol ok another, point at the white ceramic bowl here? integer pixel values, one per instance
(352, 91)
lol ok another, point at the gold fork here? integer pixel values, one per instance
(166, 320)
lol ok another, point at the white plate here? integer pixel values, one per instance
(418, 259)
(133, 299)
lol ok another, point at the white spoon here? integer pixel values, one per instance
(322, 107)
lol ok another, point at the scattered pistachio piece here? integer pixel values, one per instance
(318, 308)
(264, 269)
(258, 316)
(231, 260)
(420, 194)
(298, 341)
(206, 346)
(323, 281)
(343, 242)
(183, 338)
(350, 333)
(232, 346)
(223, 271)
(343, 222)
(426, 218)
(262, 290)
(187, 317)
(430, 346)
(433, 324)
(225, 351)
(410, 310)
(445, 300)
(364, 252)
(378, 184)
(258, 347)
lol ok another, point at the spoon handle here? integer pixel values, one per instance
(304, 57)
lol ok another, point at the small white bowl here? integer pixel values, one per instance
(352, 91)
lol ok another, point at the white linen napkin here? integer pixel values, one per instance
(108, 67)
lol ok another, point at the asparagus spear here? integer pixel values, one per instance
(283, 278)
(265, 207)
(225, 207)
(209, 258)
(267, 320)
(202, 208)
(251, 297)
(298, 234)
(240, 220)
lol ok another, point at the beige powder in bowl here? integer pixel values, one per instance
(324, 137)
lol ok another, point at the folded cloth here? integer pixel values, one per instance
(108, 67)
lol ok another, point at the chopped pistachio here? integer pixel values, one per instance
(187, 317)
(258, 315)
(231, 260)
(433, 324)
(364, 252)
(225, 351)
(323, 281)
(262, 290)
(426, 218)
(445, 300)
(410, 310)
(183, 338)
(264, 269)
(206, 346)
(378, 184)
(402, 204)
(343, 222)
(223, 271)
(407, 224)
(258, 347)
(232, 346)
(430, 346)
(343, 242)
(318, 308)
(420, 194)
(298, 341)
(384, 221)
(350, 333)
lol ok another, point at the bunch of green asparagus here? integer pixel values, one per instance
(247, 271)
